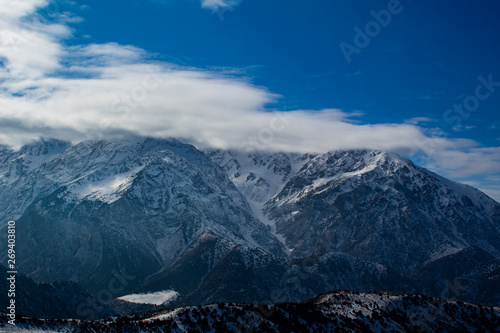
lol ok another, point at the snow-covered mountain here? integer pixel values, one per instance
(341, 311)
(155, 212)
(367, 219)
(135, 216)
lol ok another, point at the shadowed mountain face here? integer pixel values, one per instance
(43, 300)
(238, 227)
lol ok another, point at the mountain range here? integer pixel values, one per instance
(144, 215)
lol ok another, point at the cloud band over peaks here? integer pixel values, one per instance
(106, 90)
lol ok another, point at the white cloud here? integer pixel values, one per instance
(13, 10)
(206, 108)
(102, 90)
(489, 185)
(419, 120)
(462, 162)
(29, 46)
(217, 5)
(492, 193)
(213, 5)
(202, 107)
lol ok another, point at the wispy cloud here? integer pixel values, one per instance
(463, 158)
(419, 120)
(217, 5)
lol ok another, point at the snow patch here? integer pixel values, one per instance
(157, 298)
(107, 189)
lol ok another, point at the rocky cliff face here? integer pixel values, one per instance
(368, 219)
(144, 208)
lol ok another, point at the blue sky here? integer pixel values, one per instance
(426, 59)
(216, 72)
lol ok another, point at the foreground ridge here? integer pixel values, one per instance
(339, 311)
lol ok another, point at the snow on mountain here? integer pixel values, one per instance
(138, 207)
(259, 177)
(248, 227)
(348, 210)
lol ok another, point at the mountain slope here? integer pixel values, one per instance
(349, 213)
(41, 300)
(91, 211)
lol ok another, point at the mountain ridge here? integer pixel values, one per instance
(234, 226)
(167, 184)
(331, 203)
(338, 311)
